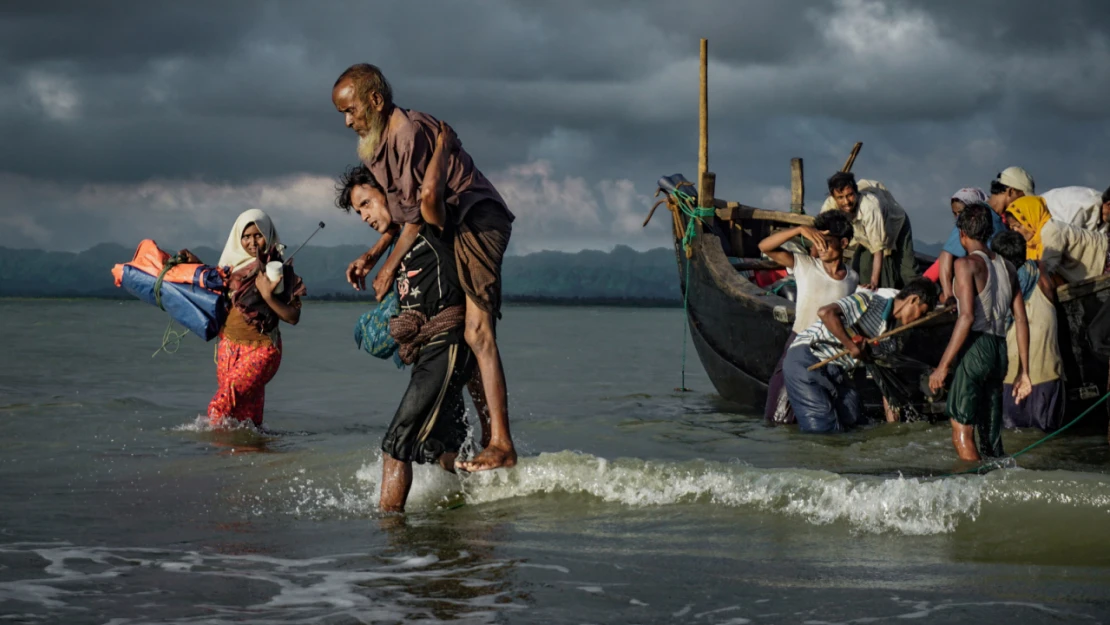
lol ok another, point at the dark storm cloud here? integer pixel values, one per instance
(564, 103)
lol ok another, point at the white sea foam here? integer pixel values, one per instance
(872, 504)
(204, 424)
(908, 506)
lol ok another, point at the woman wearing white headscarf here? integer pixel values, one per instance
(249, 351)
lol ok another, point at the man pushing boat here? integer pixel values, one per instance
(849, 330)
(396, 146)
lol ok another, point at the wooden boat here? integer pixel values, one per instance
(739, 329)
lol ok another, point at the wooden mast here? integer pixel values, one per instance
(797, 187)
(706, 179)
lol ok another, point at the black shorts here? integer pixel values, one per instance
(431, 419)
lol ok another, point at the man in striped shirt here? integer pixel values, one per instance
(825, 400)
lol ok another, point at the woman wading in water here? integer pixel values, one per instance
(249, 350)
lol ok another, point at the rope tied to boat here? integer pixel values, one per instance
(686, 204)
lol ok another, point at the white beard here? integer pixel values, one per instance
(368, 144)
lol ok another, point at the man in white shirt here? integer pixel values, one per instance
(821, 280)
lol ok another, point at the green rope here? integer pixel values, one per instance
(169, 337)
(685, 203)
(170, 264)
(996, 464)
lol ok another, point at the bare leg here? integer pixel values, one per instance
(890, 412)
(963, 439)
(479, 335)
(396, 482)
(478, 396)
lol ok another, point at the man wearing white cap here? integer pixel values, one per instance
(1009, 185)
(1078, 206)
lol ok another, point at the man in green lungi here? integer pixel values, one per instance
(987, 291)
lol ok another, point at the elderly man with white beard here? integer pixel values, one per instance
(396, 146)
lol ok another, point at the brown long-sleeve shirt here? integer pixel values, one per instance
(402, 157)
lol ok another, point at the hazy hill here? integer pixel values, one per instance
(621, 275)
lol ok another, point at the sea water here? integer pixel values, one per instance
(632, 503)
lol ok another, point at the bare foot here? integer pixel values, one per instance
(492, 457)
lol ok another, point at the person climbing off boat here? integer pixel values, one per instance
(249, 350)
(430, 423)
(1082, 207)
(820, 280)
(825, 399)
(986, 287)
(396, 146)
(1044, 408)
(884, 257)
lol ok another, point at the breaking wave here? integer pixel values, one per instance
(910, 506)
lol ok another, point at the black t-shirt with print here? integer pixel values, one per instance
(428, 280)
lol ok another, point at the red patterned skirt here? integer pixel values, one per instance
(242, 372)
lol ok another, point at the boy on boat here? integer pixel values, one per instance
(1044, 408)
(820, 280)
(825, 399)
(884, 257)
(986, 291)
(430, 424)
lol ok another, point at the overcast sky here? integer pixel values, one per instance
(126, 120)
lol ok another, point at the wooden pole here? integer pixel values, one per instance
(797, 187)
(703, 121)
(852, 157)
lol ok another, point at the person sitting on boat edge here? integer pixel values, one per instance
(249, 351)
(986, 288)
(1071, 253)
(825, 399)
(952, 249)
(884, 257)
(819, 280)
(1044, 408)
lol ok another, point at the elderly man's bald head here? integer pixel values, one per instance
(366, 79)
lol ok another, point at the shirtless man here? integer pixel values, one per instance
(396, 145)
(986, 291)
